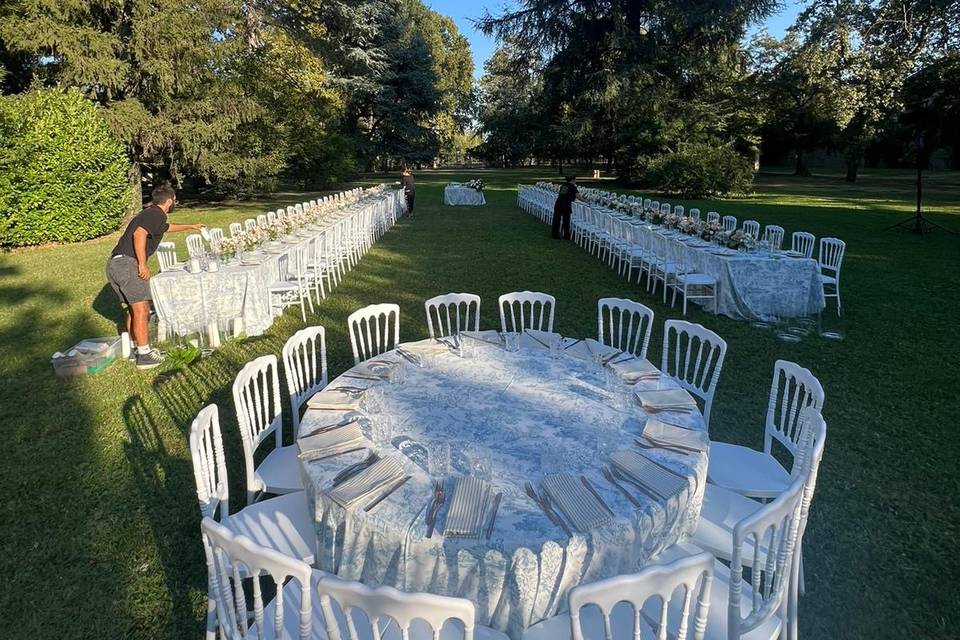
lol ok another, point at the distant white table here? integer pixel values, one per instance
(459, 195)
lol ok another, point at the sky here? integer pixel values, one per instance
(482, 46)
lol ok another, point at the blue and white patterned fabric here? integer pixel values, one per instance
(533, 413)
(187, 302)
(459, 195)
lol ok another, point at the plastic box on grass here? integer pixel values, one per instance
(87, 356)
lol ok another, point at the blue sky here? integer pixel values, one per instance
(482, 46)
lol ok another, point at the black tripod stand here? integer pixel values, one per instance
(918, 223)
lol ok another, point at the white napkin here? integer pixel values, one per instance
(596, 347)
(648, 473)
(576, 501)
(579, 349)
(426, 347)
(660, 432)
(634, 369)
(333, 401)
(666, 399)
(375, 478)
(658, 382)
(535, 339)
(489, 336)
(332, 441)
(468, 505)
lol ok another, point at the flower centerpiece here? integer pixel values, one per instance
(687, 225)
(709, 230)
(738, 239)
(475, 184)
(226, 249)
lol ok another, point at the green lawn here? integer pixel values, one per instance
(99, 523)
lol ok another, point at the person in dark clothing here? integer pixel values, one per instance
(127, 270)
(409, 188)
(563, 208)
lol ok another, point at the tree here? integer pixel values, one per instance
(509, 123)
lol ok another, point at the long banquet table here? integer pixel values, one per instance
(189, 302)
(532, 411)
(460, 195)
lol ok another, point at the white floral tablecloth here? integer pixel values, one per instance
(459, 195)
(189, 302)
(518, 406)
(755, 285)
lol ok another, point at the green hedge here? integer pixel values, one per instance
(699, 170)
(63, 177)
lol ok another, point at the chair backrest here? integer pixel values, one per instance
(831, 255)
(768, 539)
(695, 214)
(249, 224)
(665, 208)
(793, 390)
(166, 255)
(453, 313)
(713, 216)
(624, 324)
(304, 367)
(678, 210)
(256, 398)
(216, 235)
(774, 235)
(373, 330)
(648, 592)
(693, 355)
(646, 203)
(385, 605)
(729, 223)
(209, 464)
(752, 227)
(235, 229)
(232, 558)
(195, 248)
(541, 308)
(802, 242)
(271, 217)
(261, 220)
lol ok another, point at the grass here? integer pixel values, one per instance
(99, 524)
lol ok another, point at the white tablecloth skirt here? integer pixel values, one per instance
(459, 196)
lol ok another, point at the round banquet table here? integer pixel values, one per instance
(528, 410)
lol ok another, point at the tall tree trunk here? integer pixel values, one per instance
(134, 189)
(801, 168)
(852, 166)
(560, 162)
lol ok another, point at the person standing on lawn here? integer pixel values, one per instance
(409, 188)
(563, 208)
(127, 270)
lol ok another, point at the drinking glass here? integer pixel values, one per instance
(555, 349)
(438, 459)
(372, 400)
(512, 342)
(480, 461)
(396, 373)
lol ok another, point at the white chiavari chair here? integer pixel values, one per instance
(802, 242)
(831, 259)
(304, 367)
(453, 313)
(625, 325)
(374, 329)
(693, 355)
(527, 310)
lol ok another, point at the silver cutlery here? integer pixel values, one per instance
(644, 443)
(354, 469)
(589, 486)
(650, 493)
(574, 343)
(612, 480)
(493, 515)
(550, 515)
(548, 503)
(389, 491)
(435, 505)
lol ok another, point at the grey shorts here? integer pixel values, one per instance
(123, 278)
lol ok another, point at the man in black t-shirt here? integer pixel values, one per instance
(409, 188)
(563, 208)
(127, 270)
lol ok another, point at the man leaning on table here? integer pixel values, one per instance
(127, 270)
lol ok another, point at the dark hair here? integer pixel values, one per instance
(404, 167)
(161, 193)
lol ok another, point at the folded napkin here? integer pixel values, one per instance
(596, 347)
(317, 421)
(533, 338)
(468, 505)
(577, 502)
(648, 473)
(670, 435)
(332, 441)
(793, 254)
(333, 401)
(426, 347)
(634, 369)
(666, 399)
(657, 382)
(377, 368)
(368, 483)
(490, 336)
